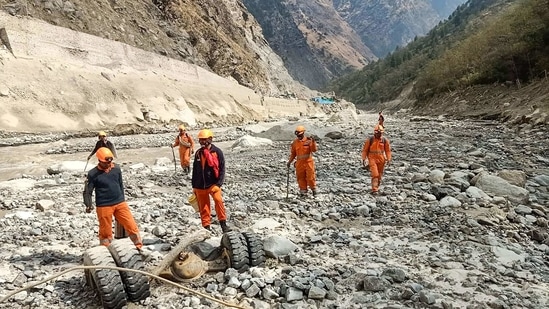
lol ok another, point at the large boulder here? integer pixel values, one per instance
(497, 186)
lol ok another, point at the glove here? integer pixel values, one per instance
(388, 162)
(89, 157)
(364, 164)
(288, 164)
(89, 209)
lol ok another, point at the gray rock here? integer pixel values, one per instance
(316, 293)
(293, 294)
(375, 284)
(500, 187)
(449, 201)
(395, 274)
(514, 177)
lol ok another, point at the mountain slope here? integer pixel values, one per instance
(492, 48)
(315, 43)
(320, 40)
(220, 36)
(385, 24)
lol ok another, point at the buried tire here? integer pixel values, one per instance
(125, 255)
(256, 254)
(106, 282)
(236, 250)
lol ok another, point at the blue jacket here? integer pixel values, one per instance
(109, 188)
(204, 177)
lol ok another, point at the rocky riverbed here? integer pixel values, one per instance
(461, 221)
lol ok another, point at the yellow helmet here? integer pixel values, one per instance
(181, 127)
(379, 128)
(300, 129)
(101, 133)
(104, 154)
(205, 133)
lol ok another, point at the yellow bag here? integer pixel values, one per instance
(194, 202)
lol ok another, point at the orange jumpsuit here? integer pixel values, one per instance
(377, 151)
(302, 150)
(380, 120)
(186, 146)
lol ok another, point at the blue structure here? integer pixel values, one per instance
(323, 100)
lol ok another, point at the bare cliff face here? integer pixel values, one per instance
(319, 40)
(385, 24)
(315, 43)
(220, 36)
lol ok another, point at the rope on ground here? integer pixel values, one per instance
(120, 269)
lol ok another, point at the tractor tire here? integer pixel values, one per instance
(106, 282)
(236, 250)
(126, 255)
(255, 249)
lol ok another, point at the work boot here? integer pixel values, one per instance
(208, 228)
(224, 227)
(314, 192)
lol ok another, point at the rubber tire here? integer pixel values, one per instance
(237, 250)
(106, 282)
(125, 255)
(255, 249)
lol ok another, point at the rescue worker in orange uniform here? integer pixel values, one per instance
(381, 119)
(186, 148)
(207, 178)
(377, 150)
(103, 142)
(106, 180)
(301, 150)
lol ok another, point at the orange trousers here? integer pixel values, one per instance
(376, 171)
(123, 215)
(203, 198)
(305, 174)
(184, 156)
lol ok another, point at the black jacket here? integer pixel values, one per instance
(204, 178)
(107, 144)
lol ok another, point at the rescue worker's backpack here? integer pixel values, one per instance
(372, 141)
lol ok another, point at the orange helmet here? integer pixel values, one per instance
(181, 127)
(104, 154)
(101, 133)
(379, 128)
(300, 129)
(205, 133)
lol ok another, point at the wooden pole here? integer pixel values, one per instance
(174, 253)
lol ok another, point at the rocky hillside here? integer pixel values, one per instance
(315, 43)
(220, 36)
(386, 24)
(319, 40)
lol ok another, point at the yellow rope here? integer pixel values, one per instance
(120, 269)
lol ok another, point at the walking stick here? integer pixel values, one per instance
(86, 165)
(174, 165)
(287, 182)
